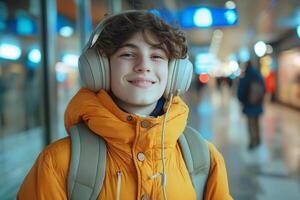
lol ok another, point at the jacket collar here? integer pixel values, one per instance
(106, 119)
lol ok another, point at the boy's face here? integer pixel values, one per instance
(139, 72)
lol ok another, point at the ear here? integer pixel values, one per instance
(94, 70)
(179, 78)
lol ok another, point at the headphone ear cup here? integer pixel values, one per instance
(94, 70)
(180, 77)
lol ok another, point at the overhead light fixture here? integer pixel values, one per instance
(260, 48)
(203, 17)
(66, 31)
(10, 51)
(34, 55)
(298, 31)
(230, 5)
(231, 16)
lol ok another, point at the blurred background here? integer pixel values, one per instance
(40, 42)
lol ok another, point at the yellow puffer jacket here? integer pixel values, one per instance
(134, 149)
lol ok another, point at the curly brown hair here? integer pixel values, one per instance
(120, 28)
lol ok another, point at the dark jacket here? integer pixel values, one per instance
(242, 93)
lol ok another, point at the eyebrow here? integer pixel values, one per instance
(130, 45)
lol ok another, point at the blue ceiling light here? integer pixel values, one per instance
(10, 51)
(231, 16)
(24, 25)
(298, 31)
(66, 31)
(203, 17)
(34, 55)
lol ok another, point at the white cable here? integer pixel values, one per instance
(164, 175)
(119, 174)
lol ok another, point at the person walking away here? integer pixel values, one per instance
(251, 92)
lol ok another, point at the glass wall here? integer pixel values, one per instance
(22, 81)
(19, 69)
(21, 134)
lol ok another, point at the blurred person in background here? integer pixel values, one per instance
(251, 92)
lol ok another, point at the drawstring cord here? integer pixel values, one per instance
(119, 174)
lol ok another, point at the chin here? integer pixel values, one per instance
(143, 101)
(138, 97)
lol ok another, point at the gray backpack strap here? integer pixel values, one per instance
(87, 166)
(197, 159)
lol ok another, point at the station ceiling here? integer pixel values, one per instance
(266, 20)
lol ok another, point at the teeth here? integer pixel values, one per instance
(141, 81)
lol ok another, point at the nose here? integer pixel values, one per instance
(143, 65)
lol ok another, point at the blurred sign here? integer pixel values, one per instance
(203, 17)
(199, 17)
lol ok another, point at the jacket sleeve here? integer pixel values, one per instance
(47, 178)
(217, 183)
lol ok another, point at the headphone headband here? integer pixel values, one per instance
(101, 25)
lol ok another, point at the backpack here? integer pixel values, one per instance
(255, 92)
(88, 162)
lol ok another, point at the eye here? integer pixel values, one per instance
(158, 57)
(127, 55)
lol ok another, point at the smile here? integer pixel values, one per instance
(142, 83)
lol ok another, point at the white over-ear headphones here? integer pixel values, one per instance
(94, 68)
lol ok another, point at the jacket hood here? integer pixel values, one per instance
(106, 119)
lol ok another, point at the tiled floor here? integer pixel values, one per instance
(271, 172)
(17, 154)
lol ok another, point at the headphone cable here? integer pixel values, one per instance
(164, 176)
